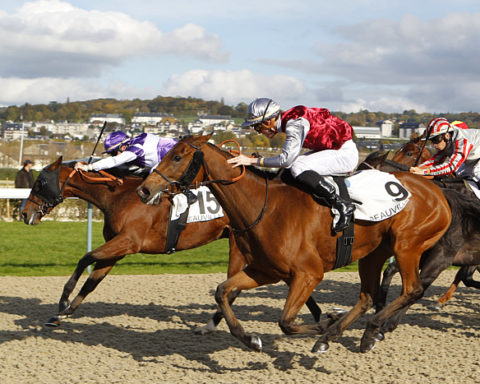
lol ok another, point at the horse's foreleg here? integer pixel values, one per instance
(69, 286)
(468, 277)
(245, 279)
(388, 274)
(102, 268)
(104, 258)
(236, 262)
(301, 287)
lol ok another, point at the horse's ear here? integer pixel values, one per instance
(56, 164)
(205, 138)
(385, 155)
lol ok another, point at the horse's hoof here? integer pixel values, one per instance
(63, 305)
(53, 322)
(338, 311)
(436, 306)
(380, 336)
(256, 343)
(203, 330)
(367, 346)
(320, 348)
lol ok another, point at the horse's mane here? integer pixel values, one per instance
(281, 174)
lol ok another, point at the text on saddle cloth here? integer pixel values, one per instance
(204, 209)
(381, 194)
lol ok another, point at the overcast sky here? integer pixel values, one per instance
(344, 55)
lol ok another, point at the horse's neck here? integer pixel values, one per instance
(98, 194)
(242, 200)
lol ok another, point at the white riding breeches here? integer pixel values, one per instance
(328, 161)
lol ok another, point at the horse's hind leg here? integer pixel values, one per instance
(465, 275)
(369, 269)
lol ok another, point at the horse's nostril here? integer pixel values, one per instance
(144, 192)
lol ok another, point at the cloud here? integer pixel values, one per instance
(234, 86)
(42, 90)
(408, 51)
(53, 38)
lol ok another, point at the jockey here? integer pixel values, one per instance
(328, 137)
(144, 151)
(458, 150)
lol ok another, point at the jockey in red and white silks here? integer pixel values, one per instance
(329, 138)
(458, 151)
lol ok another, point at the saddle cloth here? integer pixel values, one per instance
(204, 209)
(381, 195)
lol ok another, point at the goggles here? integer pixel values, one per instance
(437, 139)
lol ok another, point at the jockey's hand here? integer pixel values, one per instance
(79, 165)
(242, 160)
(418, 171)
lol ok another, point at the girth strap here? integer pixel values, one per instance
(345, 241)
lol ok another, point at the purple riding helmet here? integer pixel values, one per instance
(115, 140)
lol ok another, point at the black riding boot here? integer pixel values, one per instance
(324, 189)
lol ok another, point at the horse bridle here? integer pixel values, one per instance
(184, 183)
(52, 196)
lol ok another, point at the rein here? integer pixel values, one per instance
(184, 183)
(50, 199)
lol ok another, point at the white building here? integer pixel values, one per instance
(100, 118)
(367, 132)
(149, 118)
(386, 128)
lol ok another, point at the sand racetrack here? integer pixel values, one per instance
(139, 329)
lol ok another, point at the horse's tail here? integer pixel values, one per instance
(465, 211)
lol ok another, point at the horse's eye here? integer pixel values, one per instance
(177, 158)
(409, 153)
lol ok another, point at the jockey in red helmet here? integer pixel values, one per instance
(332, 150)
(458, 150)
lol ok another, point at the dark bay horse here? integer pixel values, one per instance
(129, 227)
(284, 234)
(458, 246)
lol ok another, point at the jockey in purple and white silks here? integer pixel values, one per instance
(144, 151)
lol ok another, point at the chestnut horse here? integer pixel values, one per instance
(459, 244)
(284, 234)
(129, 227)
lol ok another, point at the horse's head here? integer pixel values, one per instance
(374, 160)
(180, 168)
(45, 194)
(409, 152)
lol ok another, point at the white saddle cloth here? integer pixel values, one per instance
(381, 194)
(204, 209)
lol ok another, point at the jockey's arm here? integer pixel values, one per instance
(107, 163)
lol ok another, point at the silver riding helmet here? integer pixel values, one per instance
(260, 110)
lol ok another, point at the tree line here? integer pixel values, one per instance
(187, 107)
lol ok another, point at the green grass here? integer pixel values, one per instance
(53, 248)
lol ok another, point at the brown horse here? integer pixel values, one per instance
(129, 227)
(461, 244)
(285, 235)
